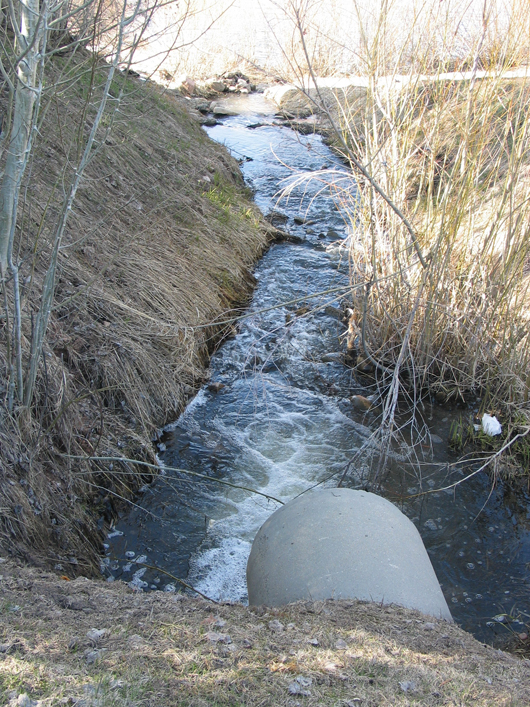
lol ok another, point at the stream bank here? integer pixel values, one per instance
(161, 243)
(93, 644)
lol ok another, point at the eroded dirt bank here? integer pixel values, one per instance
(161, 243)
(85, 642)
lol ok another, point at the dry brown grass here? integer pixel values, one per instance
(160, 244)
(161, 649)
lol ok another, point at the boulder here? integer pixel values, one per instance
(342, 544)
(216, 85)
(221, 108)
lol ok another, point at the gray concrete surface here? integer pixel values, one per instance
(342, 544)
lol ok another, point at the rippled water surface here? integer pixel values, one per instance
(280, 420)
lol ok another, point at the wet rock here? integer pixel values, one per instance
(216, 387)
(219, 108)
(276, 235)
(430, 524)
(200, 104)
(210, 122)
(276, 217)
(362, 403)
(332, 358)
(334, 312)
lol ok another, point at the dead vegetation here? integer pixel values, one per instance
(88, 643)
(160, 243)
(439, 225)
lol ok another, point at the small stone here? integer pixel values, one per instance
(95, 635)
(523, 636)
(216, 85)
(313, 641)
(430, 524)
(341, 645)
(276, 626)
(435, 439)
(93, 656)
(429, 626)
(130, 554)
(407, 685)
(215, 637)
(298, 686)
(23, 700)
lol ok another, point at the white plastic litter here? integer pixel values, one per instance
(490, 425)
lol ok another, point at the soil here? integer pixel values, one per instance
(88, 643)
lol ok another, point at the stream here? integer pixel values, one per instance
(277, 416)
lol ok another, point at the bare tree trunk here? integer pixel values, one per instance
(28, 39)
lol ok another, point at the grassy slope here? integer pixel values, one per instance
(161, 240)
(162, 650)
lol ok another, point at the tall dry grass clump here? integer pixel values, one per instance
(440, 228)
(159, 245)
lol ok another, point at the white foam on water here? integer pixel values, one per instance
(198, 401)
(289, 450)
(220, 572)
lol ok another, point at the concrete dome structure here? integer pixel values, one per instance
(341, 544)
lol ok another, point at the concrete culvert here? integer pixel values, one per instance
(342, 544)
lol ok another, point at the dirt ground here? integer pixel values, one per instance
(85, 642)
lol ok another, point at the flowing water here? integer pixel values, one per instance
(277, 417)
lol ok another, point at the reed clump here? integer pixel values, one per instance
(440, 227)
